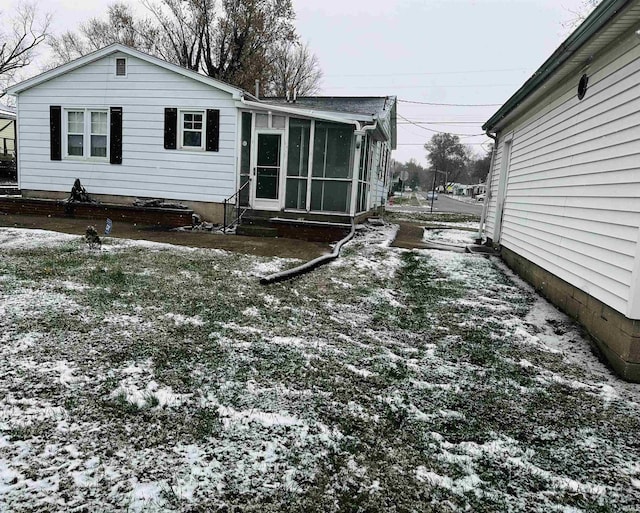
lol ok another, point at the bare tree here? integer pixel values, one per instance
(180, 30)
(579, 15)
(295, 69)
(119, 27)
(23, 33)
(231, 41)
(236, 48)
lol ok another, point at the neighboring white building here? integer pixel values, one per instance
(130, 125)
(564, 190)
(7, 131)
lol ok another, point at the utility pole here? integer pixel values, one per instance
(433, 188)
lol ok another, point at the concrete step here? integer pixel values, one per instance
(253, 230)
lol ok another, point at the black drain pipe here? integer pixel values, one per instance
(311, 264)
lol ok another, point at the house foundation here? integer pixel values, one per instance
(616, 336)
(159, 217)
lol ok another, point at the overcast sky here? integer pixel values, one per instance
(437, 51)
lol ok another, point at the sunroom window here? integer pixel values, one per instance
(298, 164)
(192, 129)
(331, 173)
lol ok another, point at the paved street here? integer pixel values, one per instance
(442, 204)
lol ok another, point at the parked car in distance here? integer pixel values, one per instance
(480, 197)
(432, 195)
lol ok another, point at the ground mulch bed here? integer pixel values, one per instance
(280, 247)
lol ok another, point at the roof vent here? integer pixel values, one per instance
(582, 86)
(121, 67)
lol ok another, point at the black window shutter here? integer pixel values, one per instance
(115, 145)
(55, 129)
(170, 128)
(213, 130)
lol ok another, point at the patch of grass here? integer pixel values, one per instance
(427, 291)
(205, 423)
(121, 403)
(36, 429)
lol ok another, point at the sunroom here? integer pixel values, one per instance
(310, 164)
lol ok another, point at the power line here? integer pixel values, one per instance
(426, 73)
(453, 104)
(442, 122)
(422, 144)
(423, 86)
(438, 131)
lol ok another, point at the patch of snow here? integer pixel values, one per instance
(152, 393)
(182, 320)
(360, 372)
(251, 312)
(19, 238)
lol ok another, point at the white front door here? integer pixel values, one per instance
(267, 170)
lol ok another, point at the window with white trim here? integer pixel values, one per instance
(75, 133)
(98, 134)
(87, 133)
(192, 129)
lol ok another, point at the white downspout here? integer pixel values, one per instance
(487, 194)
(360, 133)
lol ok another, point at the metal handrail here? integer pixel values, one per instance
(236, 203)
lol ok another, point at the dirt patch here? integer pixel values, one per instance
(280, 247)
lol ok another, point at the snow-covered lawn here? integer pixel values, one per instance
(148, 377)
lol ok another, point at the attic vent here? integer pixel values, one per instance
(121, 67)
(582, 86)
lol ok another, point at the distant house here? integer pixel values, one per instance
(7, 144)
(564, 187)
(130, 125)
(7, 130)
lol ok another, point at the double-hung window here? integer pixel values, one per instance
(87, 133)
(75, 133)
(98, 134)
(192, 130)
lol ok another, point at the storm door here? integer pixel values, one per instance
(268, 161)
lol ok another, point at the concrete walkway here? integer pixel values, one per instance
(411, 235)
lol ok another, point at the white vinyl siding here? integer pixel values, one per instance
(573, 201)
(147, 169)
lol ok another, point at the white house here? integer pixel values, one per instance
(7, 143)
(564, 186)
(130, 125)
(7, 131)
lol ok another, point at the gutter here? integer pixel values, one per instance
(300, 112)
(487, 194)
(597, 20)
